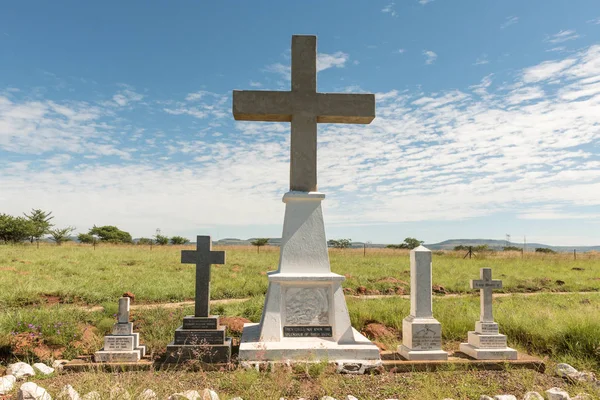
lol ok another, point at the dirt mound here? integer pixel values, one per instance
(379, 334)
(391, 279)
(234, 324)
(361, 290)
(130, 295)
(439, 289)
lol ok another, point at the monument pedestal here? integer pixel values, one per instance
(122, 345)
(305, 317)
(422, 339)
(200, 338)
(421, 332)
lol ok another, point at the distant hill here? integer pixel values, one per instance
(499, 244)
(445, 245)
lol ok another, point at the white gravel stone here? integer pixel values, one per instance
(68, 393)
(31, 391)
(93, 395)
(327, 398)
(350, 397)
(209, 395)
(484, 397)
(237, 398)
(564, 369)
(7, 383)
(557, 394)
(505, 397)
(533, 396)
(43, 368)
(188, 394)
(148, 394)
(20, 370)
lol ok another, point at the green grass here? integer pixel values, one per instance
(563, 327)
(80, 274)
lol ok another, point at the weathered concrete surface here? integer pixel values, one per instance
(304, 108)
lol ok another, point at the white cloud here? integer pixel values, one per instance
(255, 84)
(509, 21)
(482, 60)
(430, 56)
(423, 2)
(562, 36)
(401, 51)
(389, 9)
(530, 151)
(126, 96)
(594, 21)
(326, 61)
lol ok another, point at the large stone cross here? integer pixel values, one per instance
(203, 257)
(486, 284)
(304, 108)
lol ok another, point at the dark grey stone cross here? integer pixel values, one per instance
(203, 257)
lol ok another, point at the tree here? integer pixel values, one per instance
(482, 248)
(85, 238)
(339, 243)
(409, 243)
(461, 247)
(412, 243)
(40, 223)
(259, 243)
(161, 240)
(179, 240)
(14, 229)
(61, 235)
(112, 234)
(511, 248)
(544, 250)
(144, 241)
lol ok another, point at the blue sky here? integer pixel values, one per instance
(488, 117)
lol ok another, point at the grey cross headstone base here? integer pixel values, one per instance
(201, 337)
(486, 342)
(122, 345)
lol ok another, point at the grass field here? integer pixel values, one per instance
(80, 274)
(47, 293)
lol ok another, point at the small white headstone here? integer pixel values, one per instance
(421, 332)
(486, 343)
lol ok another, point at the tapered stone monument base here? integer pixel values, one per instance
(357, 357)
(305, 318)
(200, 338)
(422, 339)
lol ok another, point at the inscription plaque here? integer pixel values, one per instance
(199, 337)
(307, 306)
(200, 323)
(112, 343)
(307, 331)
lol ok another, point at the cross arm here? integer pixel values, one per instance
(189, 256)
(262, 105)
(346, 108)
(217, 257)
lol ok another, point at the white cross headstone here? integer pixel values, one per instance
(486, 284)
(485, 342)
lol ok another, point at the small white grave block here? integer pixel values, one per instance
(497, 341)
(117, 356)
